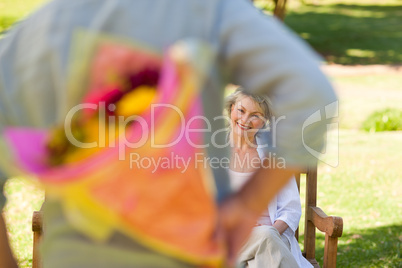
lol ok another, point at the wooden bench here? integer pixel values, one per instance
(332, 226)
(37, 229)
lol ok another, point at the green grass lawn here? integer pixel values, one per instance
(23, 198)
(350, 31)
(366, 190)
(363, 94)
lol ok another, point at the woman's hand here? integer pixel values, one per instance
(281, 226)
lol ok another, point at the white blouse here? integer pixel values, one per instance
(285, 206)
(237, 180)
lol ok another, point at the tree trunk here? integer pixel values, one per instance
(280, 9)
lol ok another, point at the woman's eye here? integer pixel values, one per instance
(240, 110)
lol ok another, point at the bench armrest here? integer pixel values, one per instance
(330, 225)
(37, 222)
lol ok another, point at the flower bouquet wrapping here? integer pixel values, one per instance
(126, 110)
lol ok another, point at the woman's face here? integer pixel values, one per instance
(246, 117)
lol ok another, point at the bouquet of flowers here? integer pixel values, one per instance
(124, 100)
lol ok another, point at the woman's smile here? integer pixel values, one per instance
(243, 127)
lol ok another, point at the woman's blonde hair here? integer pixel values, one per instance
(263, 101)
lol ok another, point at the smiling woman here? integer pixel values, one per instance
(272, 242)
(248, 114)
